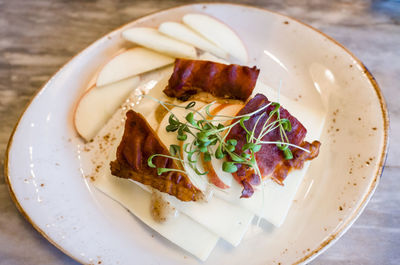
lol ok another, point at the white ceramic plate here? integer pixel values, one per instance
(45, 175)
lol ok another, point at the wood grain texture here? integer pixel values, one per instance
(38, 37)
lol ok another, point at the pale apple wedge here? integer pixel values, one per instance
(183, 33)
(206, 56)
(154, 40)
(218, 33)
(98, 104)
(217, 176)
(132, 62)
(229, 110)
(169, 138)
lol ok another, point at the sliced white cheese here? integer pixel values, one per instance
(225, 215)
(228, 221)
(312, 117)
(154, 40)
(183, 33)
(181, 230)
(224, 219)
(272, 201)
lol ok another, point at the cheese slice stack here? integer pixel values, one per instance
(225, 215)
(223, 218)
(182, 230)
(272, 201)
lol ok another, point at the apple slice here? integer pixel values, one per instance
(227, 110)
(98, 104)
(183, 33)
(169, 138)
(218, 33)
(206, 56)
(132, 62)
(154, 40)
(218, 177)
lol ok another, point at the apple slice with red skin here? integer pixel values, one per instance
(216, 175)
(98, 104)
(131, 62)
(222, 179)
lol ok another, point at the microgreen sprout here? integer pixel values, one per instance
(208, 137)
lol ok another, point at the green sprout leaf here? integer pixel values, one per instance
(203, 149)
(161, 170)
(288, 154)
(256, 148)
(190, 105)
(251, 146)
(173, 120)
(245, 155)
(229, 167)
(232, 142)
(230, 148)
(171, 128)
(150, 161)
(277, 106)
(207, 133)
(218, 153)
(287, 126)
(207, 157)
(174, 149)
(190, 118)
(181, 137)
(236, 158)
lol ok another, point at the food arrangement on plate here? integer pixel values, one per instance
(188, 139)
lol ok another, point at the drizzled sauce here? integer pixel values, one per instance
(161, 210)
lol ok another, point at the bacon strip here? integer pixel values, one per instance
(270, 159)
(138, 143)
(225, 81)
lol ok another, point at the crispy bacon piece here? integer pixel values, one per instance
(138, 143)
(270, 159)
(225, 81)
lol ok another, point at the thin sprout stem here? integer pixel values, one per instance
(171, 104)
(267, 123)
(255, 126)
(225, 127)
(267, 130)
(176, 170)
(226, 134)
(289, 144)
(240, 116)
(167, 156)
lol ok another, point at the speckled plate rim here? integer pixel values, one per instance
(313, 253)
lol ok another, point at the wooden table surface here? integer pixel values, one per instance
(38, 37)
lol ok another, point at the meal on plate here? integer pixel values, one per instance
(199, 145)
